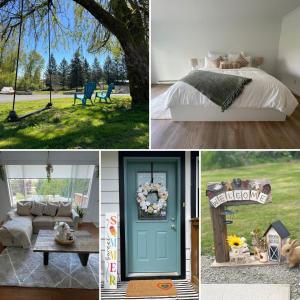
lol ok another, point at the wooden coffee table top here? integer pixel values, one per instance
(84, 243)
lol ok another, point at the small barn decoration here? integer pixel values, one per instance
(276, 236)
(221, 195)
(110, 251)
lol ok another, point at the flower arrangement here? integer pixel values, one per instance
(235, 241)
(148, 207)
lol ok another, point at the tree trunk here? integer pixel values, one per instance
(137, 64)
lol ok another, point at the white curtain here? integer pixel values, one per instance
(59, 171)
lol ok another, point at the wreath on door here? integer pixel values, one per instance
(145, 190)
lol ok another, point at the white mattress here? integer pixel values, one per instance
(264, 91)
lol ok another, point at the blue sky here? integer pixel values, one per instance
(60, 52)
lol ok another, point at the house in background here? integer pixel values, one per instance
(158, 246)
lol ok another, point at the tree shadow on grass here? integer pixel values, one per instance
(105, 126)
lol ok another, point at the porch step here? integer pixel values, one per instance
(185, 291)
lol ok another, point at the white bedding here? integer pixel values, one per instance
(264, 91)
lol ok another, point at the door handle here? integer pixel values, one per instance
(173, 219)
(173, 227)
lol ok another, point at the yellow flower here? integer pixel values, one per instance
(235, 241)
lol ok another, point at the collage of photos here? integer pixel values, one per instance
(149, 149)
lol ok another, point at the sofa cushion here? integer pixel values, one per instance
(51, 209)
(64, 210)
(68, 220)
(43, 221)
(24, 209)
(37, 208)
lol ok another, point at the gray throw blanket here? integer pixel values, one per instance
(222, 89)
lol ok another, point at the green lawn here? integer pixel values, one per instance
(103, 126)
(285, 182)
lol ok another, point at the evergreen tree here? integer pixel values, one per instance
(76, 71)
(51, 69)
(97, 73)
(63, 72)
(108, 70)
(86, 71)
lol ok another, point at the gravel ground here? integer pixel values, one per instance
(279, 274)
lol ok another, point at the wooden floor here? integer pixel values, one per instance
(167, 134)
(18, 293)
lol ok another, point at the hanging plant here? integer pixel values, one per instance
(49, 170)
(2, 173)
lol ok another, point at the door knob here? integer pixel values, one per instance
(173, 219)
(173, 227)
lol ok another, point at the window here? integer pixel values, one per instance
(68, 183)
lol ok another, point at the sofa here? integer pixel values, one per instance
(36, 215)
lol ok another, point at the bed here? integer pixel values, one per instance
(263, 99)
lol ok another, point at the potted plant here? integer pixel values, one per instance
(263, 250)
(260, 246)
(80, 213)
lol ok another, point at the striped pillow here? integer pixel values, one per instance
(229, 65)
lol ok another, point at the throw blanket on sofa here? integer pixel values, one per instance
(222, 89)
(21, 229)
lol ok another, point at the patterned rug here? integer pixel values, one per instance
(23, 267)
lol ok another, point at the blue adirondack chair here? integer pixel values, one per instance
(89, 89)
(103, 95)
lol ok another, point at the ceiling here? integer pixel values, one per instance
(195, 10)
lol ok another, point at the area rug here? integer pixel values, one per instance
(25, 268)
(151, 288)
(158, 111)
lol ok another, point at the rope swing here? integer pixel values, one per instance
(13, 116)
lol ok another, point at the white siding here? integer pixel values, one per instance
(110, 199)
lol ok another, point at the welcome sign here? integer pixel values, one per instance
(111, 251)
(239, 191)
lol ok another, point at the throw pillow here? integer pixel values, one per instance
(64, 210)
(24, 209)
(213, 62)
(51, 209)
(229, 65)
(244, 61)
(233, 57)
(37, 208)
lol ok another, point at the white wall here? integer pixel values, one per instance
(185, 29)
(110, 200)
(289, 51)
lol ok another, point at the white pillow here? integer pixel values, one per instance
(232, 57)
(215, 55)
(212, 62)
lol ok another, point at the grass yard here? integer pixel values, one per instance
(102, 126)
(285, 183)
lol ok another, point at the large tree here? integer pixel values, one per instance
(86, 71)
(63, 73)
(97, 73)
(125, 20)
(76, 71)
(51, 79)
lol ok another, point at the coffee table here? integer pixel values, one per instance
(83, 245)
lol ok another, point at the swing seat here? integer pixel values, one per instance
(105, 95)
(89, 89)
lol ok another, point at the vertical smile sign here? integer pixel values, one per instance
(110, 251)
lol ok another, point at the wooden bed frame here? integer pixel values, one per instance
(198, 113)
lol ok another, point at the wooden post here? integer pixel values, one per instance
(220, 234)
(195, 252)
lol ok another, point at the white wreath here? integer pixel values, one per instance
(148, 207)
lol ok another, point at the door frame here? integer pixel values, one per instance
(155, 154)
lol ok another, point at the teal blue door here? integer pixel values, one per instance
(152, 242)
